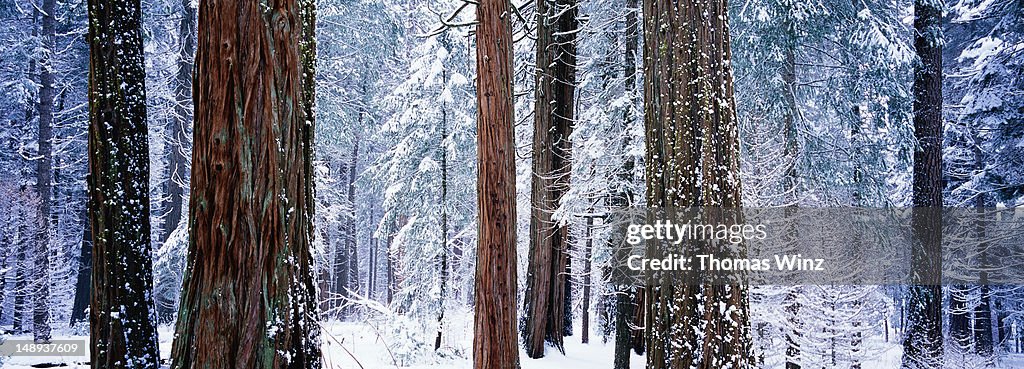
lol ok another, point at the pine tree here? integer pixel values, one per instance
(494, 340)
(692, 160)
(248, 298)
(44, 175)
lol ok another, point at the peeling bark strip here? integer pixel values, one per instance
(121, 310)
(248, 298)
(692, 160)
(545, 298)
(495, 345)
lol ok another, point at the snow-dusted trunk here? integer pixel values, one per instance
(443, 255)
(44, 176)
(178, 128)
(627, 297)
(544, 300)
(692, 160)
(20, 281)
(494, 319)
(248, 298)
(922, 344)
(351, 245)
(122, 328)
(585, 306)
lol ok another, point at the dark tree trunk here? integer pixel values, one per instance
(494, 311)
(177, 134)
(544, 300)
(585, 310)
(623, 331)
(983, 344)
(341, 261)
(44, 177)
(688, 101)
(625, 296)
(443, 255)
(389, 270)
(20, 280)
(922, 345)
(351, 244)
(791, 182)
(121, 312)
(83, 283)
(371, 274)
(959, 317)
(248, 297)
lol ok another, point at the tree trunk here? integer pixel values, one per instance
(494, 319)
(341, 265)
(248, 297)
(959, 317)
(983, 344)
(585, 311)
(688, 101)
(83, 284)
(544, 305)
(371, 274)
(44, 176)
(121, 312)
(443, 255)
(922, 345)
(626, 296)
(178, 128)
(20, 280)
(351, 238)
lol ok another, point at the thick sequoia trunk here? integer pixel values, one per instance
(922, 345)
(544, 305)
(121, 312)
(688, 101)
(494, 319)
(44, 177)
(248, 298)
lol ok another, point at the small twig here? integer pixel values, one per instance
(336, 340)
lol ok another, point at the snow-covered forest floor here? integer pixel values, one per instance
(357, 345)
(367, 345)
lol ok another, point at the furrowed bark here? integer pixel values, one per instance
(544, 301)
(121, 312)
(922, 345)
(494, 319)
(248, 299)
(692, 160)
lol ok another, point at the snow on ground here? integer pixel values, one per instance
(359, 345)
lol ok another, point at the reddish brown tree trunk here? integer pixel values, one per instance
(692, 161)
(494, 340)
(544, 305)
(248, 299)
